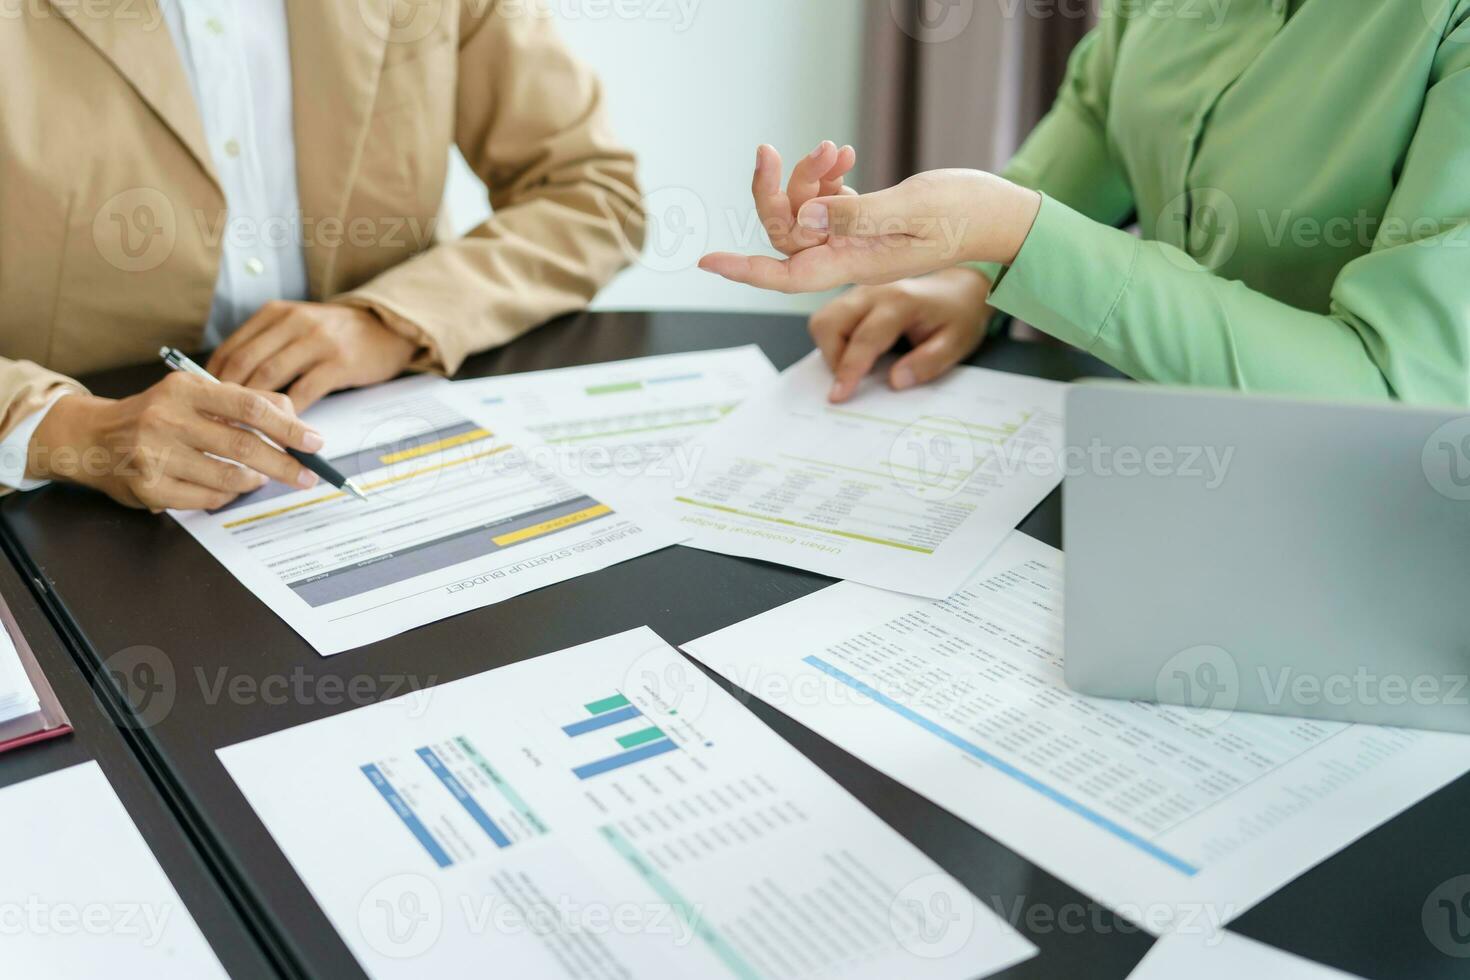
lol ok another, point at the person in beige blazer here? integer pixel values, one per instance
(132, 216)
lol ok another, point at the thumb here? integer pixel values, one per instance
(878, 215)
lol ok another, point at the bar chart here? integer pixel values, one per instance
(614, 733)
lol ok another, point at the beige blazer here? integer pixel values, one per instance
(111, 213)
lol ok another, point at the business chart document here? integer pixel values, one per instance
(461, 513)
(901, 490)
(602, 812)
(82, 895)
(625, 418)
(1226, 956)
(1173, 817)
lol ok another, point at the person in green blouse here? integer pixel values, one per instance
(1299, 171)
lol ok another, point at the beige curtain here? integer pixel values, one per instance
(959, 83)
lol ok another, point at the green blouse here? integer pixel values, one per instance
(1300, 171)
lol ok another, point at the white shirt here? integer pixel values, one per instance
(237, 56)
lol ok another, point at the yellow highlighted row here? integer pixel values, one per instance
(805, 527)
(376, 484)
(555, 524)
(474, 435)
(266, 515)
(399, 478)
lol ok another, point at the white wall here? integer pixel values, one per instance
(694, 86)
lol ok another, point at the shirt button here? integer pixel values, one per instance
(254, 266)
(215, 26)
(232, 148)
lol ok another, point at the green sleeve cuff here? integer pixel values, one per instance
(1069, 275)
(992, 271)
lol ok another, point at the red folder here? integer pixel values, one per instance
(48, 722)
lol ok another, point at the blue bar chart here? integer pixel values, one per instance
(617, 734)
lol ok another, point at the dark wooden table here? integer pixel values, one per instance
(97, 737)
(123, 580)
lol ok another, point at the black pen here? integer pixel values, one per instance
(179, 361)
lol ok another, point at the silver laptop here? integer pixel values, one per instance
(1263, 554)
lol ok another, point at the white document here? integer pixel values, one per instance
(17, 695)
(81, 896)
(902, 490)
(605, 812)
(625, 418)
(462, 512)
(1173, 817)
(1225, 956)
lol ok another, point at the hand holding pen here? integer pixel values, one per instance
(178, 361)
(184, 443)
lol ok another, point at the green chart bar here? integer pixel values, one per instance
(614, 389)
(638, 738)
(607, 704)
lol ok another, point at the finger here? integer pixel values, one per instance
(771, 203)
(806, 184)
(192, 466)
(287, 364)
(313, 386)
(249, 450)
(834, 323)
(265, 316)
(752, 270)
(873, 338)
(280, 401)
(935, 356)
(814, 270)
(832, 188)
(258, 411)
(171, 493)
(833, 180)
(846, 160)
(806, 176)
(825, 267)
(241, 362)
(890, 213)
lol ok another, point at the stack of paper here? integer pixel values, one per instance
(624, 418)
(602, 813)
(509, 822)
(480, 491)
(1178, 819)
(462, 511)
(901, 490)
